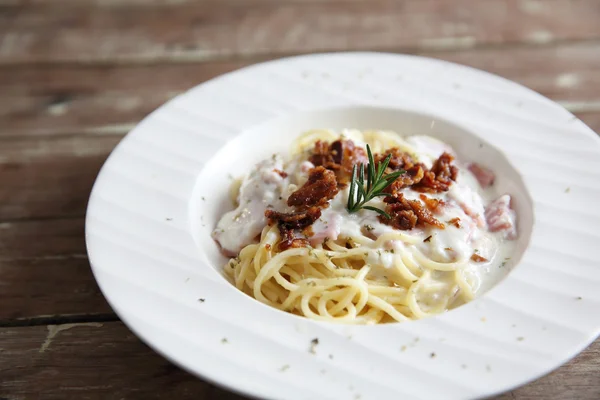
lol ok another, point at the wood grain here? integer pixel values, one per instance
(106, 361)
(88, 362)
(97, 99)
(591, 119)
(84, 32)
(58, 100)
(50, 178)
(44, 271)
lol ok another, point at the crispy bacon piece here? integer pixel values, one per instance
(406, 214)
(400, 160)
(484, 175)
(317, 191)
(455, 222)
(308, 231)
(281, 173)
(294, 220)
(440, 176)
(438, 179)
(477, 258)
(339, 156)
(290, 225)
(321, 155)
(401, 219)
(412, 176)
(443, 168)
(289, 240)
(432, 204)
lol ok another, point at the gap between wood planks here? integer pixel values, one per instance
(58, 320)
(441, 46)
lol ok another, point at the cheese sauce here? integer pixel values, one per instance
(466, 235)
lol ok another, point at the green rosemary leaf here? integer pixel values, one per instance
(377, 210)
(382, 166)
(361, 183)
(377, 181)
(371, 176)
(353, 184)
(380, 185)
(361, 191)
(393, 176)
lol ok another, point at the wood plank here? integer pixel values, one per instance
(591, 119)
(97, 99)
(565, 72)
(152, 3)
(44, 271)
(105, 360)
(88, 362)
(81, 32)
(50, 178)
(49, 100)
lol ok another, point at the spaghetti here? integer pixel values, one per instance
(354, 267)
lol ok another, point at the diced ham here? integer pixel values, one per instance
(484, 175)
(469, 201)
(474, 215)
(501, 218)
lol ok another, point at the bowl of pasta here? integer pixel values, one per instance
(354, 225)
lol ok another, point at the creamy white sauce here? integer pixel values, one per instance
(262, 188)
(465, 200)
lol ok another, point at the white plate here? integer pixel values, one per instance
(154, 259)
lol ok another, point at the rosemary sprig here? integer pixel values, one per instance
(376, 182)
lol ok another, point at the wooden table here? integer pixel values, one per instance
(76, 75)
